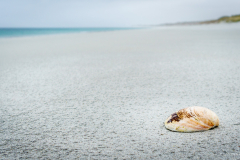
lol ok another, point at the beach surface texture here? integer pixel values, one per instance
(106, 95)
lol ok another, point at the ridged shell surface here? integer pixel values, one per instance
(192, 119)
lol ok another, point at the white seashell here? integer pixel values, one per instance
(192, 119)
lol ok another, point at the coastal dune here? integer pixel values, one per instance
(106, 95)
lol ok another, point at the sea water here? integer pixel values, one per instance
(16, 32)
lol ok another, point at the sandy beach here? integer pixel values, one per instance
(105, 95)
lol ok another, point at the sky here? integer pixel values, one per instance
(110, 13)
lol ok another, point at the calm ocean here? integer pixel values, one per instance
(16, 32)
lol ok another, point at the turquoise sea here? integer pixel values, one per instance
(16, 32)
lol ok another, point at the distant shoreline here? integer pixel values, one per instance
(224, 19)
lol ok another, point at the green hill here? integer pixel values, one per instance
(224, 19)
(227, 19)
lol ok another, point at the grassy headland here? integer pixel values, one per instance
(224, 19)
(227, 19)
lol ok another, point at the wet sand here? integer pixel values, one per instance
(106, 95)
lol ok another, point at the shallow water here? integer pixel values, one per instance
(16, 32)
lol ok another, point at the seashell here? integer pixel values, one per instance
(192, 119)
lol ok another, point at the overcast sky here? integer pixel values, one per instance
(110, 13)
